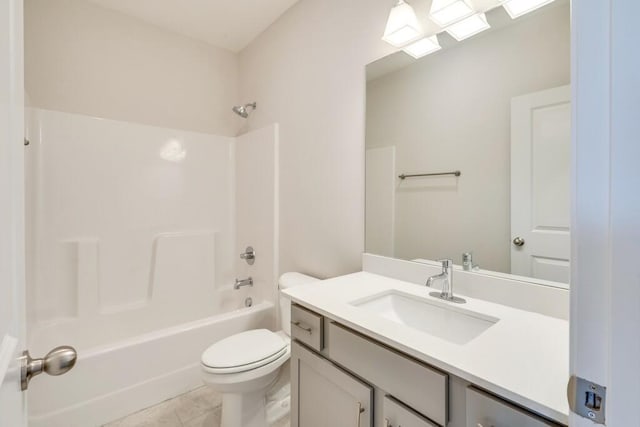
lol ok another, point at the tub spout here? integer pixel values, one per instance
(244, 282)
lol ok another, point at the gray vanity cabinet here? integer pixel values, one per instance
(485, 410)
(417, 385)
(343, 378)
(324, 395)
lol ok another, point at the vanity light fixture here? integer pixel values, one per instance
(517, 8)
(445, 12)
(468, 27)
(423, 47)
(402, 26)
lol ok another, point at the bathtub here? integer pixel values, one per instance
(109, 382)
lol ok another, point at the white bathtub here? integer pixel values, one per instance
(111, 381)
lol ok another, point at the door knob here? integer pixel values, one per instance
(58, 361)
(518, 241)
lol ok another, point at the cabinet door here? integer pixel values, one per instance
(324, 395)
(396, 414)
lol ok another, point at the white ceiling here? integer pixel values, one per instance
(229, 24)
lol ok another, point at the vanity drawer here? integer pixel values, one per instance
(423, 388)
(396, 414)
(486, 410)
(307, 327)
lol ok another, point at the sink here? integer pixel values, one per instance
(440, 319)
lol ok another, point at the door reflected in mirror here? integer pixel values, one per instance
(497, 108)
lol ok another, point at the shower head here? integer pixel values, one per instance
(243, 110)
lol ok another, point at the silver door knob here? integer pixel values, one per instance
(518, 241)
(58, 361)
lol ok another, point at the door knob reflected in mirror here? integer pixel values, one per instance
(518, 241)
(58, 361)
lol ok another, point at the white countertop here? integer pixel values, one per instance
(524, 357)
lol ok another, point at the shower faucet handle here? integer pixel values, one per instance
(249, 255)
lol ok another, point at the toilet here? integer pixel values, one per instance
(243, 366)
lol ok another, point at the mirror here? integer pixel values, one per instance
(495, 107)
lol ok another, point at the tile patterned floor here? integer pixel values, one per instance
(198, 408)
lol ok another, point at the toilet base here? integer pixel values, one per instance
(244, 401)
(244, 409)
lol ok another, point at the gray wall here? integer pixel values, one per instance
(307, 71)
(81, 58)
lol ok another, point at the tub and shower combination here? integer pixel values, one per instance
(133, 238)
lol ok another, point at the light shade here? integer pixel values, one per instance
(516, 8)
(469, 27)
(445, 12)
(402, 26)
(423, 47)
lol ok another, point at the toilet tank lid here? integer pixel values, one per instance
(292, 279)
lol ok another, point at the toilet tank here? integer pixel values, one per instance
(290, 280)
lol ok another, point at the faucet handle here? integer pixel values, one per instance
(446, 263)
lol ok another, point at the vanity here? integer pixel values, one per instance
(370, 350)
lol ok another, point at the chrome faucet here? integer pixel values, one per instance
(467, 262)
(447, 283)
(244, 282)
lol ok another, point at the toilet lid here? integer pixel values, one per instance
(244, 351)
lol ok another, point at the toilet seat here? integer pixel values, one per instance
(244, 352)
(247, 367)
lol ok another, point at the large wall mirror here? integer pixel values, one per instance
(468, 148)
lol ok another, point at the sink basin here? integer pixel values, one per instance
(440, 319)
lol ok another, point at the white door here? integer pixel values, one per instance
(12, 320)
(540, 184)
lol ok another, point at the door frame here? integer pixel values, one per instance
(605, 225)
(13, 409)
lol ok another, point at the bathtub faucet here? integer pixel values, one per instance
(244, 282)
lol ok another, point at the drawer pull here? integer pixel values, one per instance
(360, 411)
(307, 329)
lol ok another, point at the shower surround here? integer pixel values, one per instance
(133, 243)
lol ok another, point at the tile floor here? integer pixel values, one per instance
(197, 408)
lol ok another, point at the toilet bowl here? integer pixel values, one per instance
(244, 366)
